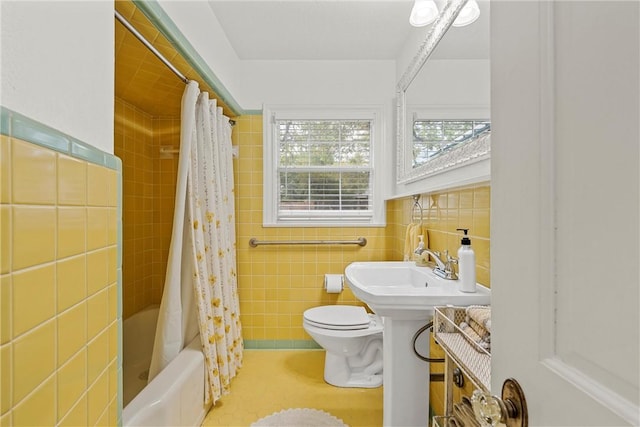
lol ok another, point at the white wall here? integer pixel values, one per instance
(57, 66)
(317, 82)
(199, 25)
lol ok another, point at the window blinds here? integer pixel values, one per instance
(324, 168)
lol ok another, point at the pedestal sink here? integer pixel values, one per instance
(404, 295)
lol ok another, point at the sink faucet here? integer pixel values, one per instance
(441, 269)
(448, 272)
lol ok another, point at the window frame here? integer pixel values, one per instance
(271, 113)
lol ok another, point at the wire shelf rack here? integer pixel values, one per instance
(474, 360)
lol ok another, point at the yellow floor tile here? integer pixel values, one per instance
(272, 380)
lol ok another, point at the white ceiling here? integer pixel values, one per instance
(336, 30)
(314, 29)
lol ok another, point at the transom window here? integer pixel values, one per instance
(322, 168)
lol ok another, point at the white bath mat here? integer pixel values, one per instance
(299, 418)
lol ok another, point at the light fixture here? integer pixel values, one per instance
(469, 13)
(424, 12)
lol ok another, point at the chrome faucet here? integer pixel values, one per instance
(449, 272)
(434, 254)
(444, 270)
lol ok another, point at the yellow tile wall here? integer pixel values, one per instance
(133, 141)
(59, 240)
(149, 180)
(166, 133)
(443, 213)
(277, 283)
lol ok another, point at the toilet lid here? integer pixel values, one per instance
(344, 317)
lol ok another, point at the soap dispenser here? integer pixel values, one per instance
(420, 258)
(467, 264)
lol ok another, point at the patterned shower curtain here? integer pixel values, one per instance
(200, 291)
(211, 219)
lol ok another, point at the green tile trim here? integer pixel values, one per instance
(159, 18)
(37, 133)
(5, 122)
(85, 152)
(119, 231)
(280, 345)
(113, 162)
(117, 163)
(15, 125)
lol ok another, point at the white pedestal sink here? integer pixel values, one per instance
(405, 295)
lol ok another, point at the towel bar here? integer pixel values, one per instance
(360, 241)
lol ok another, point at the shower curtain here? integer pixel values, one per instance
(200, 293)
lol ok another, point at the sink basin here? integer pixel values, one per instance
(403, 290)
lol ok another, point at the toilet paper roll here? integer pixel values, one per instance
(333, 283)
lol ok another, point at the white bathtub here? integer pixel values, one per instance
(175, 396)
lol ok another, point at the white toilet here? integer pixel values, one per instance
(352, 339)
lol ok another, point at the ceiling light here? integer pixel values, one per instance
(469, 13)
(424, 12)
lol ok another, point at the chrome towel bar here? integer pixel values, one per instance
(360, 241)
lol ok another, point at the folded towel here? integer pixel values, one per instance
(481, 314)
(473, 335)
(482, 332)
(408, 250)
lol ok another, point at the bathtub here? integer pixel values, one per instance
(175, 396)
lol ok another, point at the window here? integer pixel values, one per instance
(319, 167)
(434, 137)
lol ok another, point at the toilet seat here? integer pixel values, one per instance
(338, 317)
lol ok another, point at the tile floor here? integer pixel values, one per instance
(273, 380)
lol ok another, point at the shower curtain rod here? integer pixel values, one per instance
(149, 46)
(153, 50)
